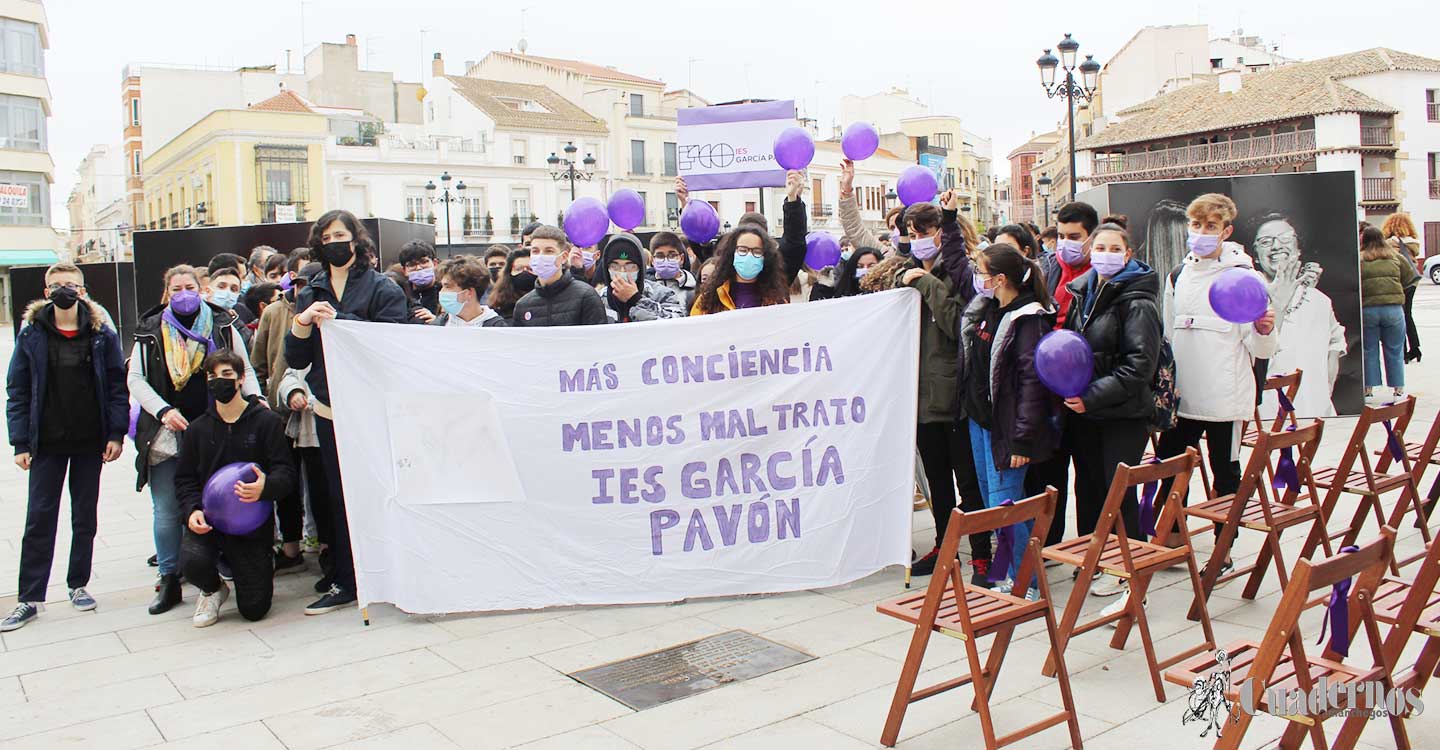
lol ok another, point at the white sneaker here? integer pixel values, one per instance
(207, 610)
(1118, 605)
(1109, 586)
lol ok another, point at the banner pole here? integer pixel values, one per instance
(907, 577)
(365, 611)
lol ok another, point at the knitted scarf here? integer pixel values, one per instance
(185, 348)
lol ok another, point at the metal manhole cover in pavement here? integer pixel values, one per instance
(641, 682)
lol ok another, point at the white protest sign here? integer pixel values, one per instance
(732, 145)
(14, 196)
(754, 451)
(285, 213)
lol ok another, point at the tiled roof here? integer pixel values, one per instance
(1295, 90)
(563, 115)
(588, 69)
(285, 101)
(1039, 144)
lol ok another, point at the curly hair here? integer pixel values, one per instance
(1398, 225)
(364, 246)
(771, 282)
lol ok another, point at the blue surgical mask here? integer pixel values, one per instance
(245, 285)
(1070, 251)
(450, 302)
(1202, 245)
(225, 298)
(749, 266)
(845, 254)
(1107, 264)
(626, 275)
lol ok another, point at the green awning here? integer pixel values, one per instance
(27, 257)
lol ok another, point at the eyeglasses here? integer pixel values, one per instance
(1280, 240)
(66, 285)
(754, 252)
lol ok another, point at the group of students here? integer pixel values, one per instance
(221, 379)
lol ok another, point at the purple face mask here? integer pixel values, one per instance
(667, 268)
(1070, 251)
(543, 266)
(1107, 264)
(587, 259)
(923, 248)
(980, 288)
(1203, 245)
(185, 302)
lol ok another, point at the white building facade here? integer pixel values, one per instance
(99, 227)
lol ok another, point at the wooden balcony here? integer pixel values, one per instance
(1376, 135)
(1276, 150)
(1435, 189)
(1377, 190)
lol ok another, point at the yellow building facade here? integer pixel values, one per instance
(238, 167)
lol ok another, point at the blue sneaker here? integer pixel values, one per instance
(82, 600)
(23, 613)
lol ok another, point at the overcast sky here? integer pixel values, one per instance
(971, 59)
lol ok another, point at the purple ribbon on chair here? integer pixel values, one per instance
(1285, 404)
(1397, 450)
(1337, 614)
(1147, 504)
(1286, 475)
(1004, 550)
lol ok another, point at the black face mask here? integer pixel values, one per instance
(336, 254)
(65, 297)
(222, 389)
(524, 282)
(495, 274)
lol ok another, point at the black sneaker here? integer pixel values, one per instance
(335, 598)
(153, 561)
(286, 565)
(925, 565)
(23, 613)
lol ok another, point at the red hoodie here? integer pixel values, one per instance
(1062, 295)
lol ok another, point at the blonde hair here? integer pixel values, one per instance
(172, 272)
(64, 267)
(1398, 225)
(1213, 205)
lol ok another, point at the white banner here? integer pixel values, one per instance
(759, 450)
(732, 145)
(14, 196)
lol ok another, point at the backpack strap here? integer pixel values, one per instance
(1175, 275)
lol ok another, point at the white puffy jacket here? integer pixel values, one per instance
(1214, 358)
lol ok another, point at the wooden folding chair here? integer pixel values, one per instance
(1253, 507)
(1279, 662)
(975, 613)
(1288, 384)
(1422, 456)
(1412, 607)
(1151, 456)
(1110, 550)
(1369, 483)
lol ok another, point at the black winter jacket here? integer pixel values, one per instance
(27, 380)
(1023, 419)
(566, 302)
(210, 443)
(1123, 327)
(369, 296)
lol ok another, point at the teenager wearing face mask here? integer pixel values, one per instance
(559, 298)
(463, 285)
(495, 259)
(668, 266)
(938, 268)
(854, 268)
(1011, 414)
(66, 412)
(166, 379)
(349, 289)
(1115, 306)
(629, 296)
(515, 282)
(747, 272)
(417, 257)
(1214, 358)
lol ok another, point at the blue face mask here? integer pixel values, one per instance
(245, 285)
(450, 302)
(845, 254)
(749, 266)
(225, 298)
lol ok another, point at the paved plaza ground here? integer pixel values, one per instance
(121, 678)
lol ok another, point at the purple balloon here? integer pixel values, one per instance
(699, 221)
(134, 419)
(1064, 362)
(223, 508)
(859, 141)
(626, 209)
(586, 221)
(916, 185)
(821, 250)
(1238, 295)
(794, 148)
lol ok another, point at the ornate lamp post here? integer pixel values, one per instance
(564, 169)
(1043, 185)
(445, 197)
(1069, 88)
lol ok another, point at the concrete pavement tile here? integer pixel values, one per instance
(506, 645)
(1007, 717)
(471, 625)
(252, 736)
(885, 584)
(86, 704)
(57, 623)
(287, 624)
(593, 737)
(415, 737)
(53, 683)
(838, 631)
(604, 622)
(25, 660)
(799, 732)
(534, 717)
(247, 704)
(10, 691)
(758, 614)
(275, 665)
(378, 713)
(643, 641)
(129, 730)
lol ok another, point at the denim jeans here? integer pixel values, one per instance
(997, 486)
(168, 526)
(42, 515)
(1384, 327)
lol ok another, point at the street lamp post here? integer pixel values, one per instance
(1085, 89)
(564, 169)
(446, 197)
(1043, 185)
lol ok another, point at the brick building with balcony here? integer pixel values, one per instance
(1376, 113)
